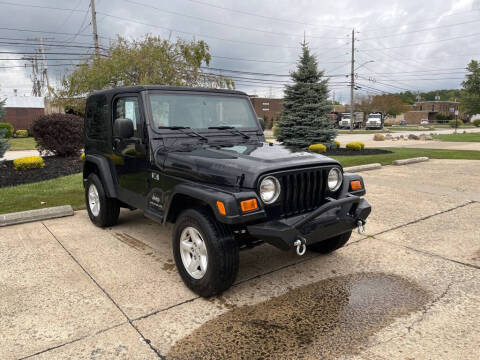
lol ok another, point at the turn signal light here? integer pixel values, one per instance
(221, 208)
(355, 184)
(249, 205)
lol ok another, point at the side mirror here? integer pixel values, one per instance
(123, 128)
(262, 123)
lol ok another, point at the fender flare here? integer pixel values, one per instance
(207, 195)
(105, 173)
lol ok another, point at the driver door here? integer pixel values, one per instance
(130, 154)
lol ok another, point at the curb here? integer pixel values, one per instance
(365, 167)
(409, 161)
(35, 215)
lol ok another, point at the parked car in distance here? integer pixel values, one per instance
(403, 122)
(424, 122)
(197, 158)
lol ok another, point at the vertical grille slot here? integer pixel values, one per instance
(302, 191)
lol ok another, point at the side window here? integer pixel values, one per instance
(96, 126)
(127, 108)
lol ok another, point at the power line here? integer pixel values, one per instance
(49, 32)
(264, 16)
(202, 35)
(47, 45)
(229, 25)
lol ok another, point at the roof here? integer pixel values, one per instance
(25, 102)
(134, 89)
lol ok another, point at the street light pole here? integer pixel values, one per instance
(352, 83)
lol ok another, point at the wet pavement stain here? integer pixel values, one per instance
(169, 265)
(323, 320)
(131, 241)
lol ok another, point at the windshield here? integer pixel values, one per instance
(201, 111)
(346, 116)
(375, 116)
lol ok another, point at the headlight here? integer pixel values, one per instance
(269, 189)
(334, 179)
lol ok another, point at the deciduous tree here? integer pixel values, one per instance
(470, 101)
(150, 60)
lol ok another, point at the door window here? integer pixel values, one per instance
(127, 108)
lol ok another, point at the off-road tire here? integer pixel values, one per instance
(109, 208)
(222, 252)
(330, 245)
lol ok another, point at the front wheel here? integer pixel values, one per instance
(205, 252)
(102, 210)
(330, 245)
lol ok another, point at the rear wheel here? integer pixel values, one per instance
(102, 210)
(330, 245)
(205, 252)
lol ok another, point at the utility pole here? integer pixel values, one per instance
(44, 67)
(352, 79)
(94, 25)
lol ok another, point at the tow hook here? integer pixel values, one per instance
(301, 245)
(361, 227)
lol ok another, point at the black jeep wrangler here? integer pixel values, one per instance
(198, 158)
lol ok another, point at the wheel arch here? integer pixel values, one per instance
(100, 166)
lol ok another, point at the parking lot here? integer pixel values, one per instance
(408, 289)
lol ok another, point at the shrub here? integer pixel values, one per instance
(82, 156)
(21, 133)
(8, 129)
(61, 134)
(276, 130)
(355, 145)
(458, 123)
(379, 137)
(476, 123)
(337, 143)
(317, 148)
(28, 162)
(3, 143)
(387, 124)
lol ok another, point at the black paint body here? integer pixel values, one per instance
(164, 171)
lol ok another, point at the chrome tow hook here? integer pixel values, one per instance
(301, 245)
(361, 227)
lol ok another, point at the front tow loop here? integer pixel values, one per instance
(301, 245)
(361, 227)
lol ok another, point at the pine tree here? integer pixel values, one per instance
(3, 143)
(304, 119)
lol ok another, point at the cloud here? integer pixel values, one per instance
(272, 31)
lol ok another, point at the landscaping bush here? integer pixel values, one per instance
(3, 144)
(458, 122)
(387, 124)
(355, 145)
(28, 162)
(379, 137)
(317, 148)
(476, 123)
(8, 129)
(82, 156)
(337, 143)
(61, 134)
(21, 133)
(275, 130)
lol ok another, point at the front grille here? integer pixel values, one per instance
(302, 191)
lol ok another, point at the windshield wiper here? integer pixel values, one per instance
(181, 128)
(232, 128)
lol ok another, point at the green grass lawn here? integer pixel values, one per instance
(22, 143)
(459, 137)
(65, 190)
(356, 131)
(68, 190)
(405, 153)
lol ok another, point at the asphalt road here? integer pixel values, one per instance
(408, 290)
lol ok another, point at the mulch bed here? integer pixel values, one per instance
(343, 151)
(55, 166)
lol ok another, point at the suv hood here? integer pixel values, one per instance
(238, 165)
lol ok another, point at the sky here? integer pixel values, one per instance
(399, 45)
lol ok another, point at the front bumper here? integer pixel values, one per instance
(331, 219)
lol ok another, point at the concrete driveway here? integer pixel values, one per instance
(408, 290)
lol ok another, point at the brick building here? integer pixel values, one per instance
(21, 111)
(429, 110)
(268, 108)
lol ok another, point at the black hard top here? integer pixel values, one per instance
(134, 89)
